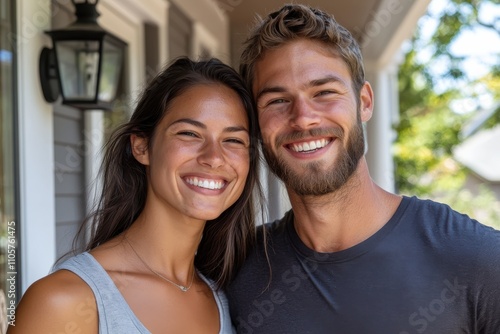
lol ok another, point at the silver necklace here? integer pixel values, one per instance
(183, 288)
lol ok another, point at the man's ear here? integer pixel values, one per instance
(139, 147)
(366, 102)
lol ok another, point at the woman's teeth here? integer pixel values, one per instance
(207, 184)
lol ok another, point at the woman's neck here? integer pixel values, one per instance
(167, 245)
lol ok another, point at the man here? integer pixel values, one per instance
(349, 257)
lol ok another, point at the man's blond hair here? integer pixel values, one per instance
(293, 22)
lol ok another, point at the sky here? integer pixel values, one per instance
(479, 45)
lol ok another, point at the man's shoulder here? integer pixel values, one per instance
(439, 214)
(445, 225)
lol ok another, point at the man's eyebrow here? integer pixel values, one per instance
(203, 126)
(268, 90)
(325, 80)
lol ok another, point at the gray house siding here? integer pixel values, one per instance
(69, 175)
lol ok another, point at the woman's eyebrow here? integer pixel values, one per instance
(203, 126)
(235, 129)
(189, 121)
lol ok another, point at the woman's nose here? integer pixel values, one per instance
(211, 155)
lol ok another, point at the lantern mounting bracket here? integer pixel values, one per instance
(48, 75)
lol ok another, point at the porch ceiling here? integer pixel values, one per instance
(380, 26)
(352, 14)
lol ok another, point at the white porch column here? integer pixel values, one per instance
(93, 134)
(380, 134)
(277, 199)
(36, 146)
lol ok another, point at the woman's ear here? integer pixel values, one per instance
(366, 102)
(140, 151)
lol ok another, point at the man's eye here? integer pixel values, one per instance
(276, 101)
(325, 92)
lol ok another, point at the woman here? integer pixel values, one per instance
(177, 195)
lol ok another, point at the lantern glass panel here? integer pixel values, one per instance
(112, 58)
(78, 68)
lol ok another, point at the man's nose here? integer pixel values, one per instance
(303, 115)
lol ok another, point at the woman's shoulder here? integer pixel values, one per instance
(59, 302)
(61, 286)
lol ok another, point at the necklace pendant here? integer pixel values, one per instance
(183, 288)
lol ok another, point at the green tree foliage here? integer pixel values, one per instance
(423, 151)
(428, 129)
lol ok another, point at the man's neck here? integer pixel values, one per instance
(345, 218)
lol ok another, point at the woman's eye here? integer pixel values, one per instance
(236, 141)
(188, 133)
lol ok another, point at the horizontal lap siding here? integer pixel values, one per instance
(69, 163)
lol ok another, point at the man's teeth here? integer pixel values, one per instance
(208, 184)
(310, 146)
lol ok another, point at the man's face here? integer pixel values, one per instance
(309, 117)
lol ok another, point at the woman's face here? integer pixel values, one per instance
(198, 160)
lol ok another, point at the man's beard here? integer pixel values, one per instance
(314, 180)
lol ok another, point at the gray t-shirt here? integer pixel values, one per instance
(428, 270)
(115, 315)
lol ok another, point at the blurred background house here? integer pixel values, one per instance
(479, 153)
(475, 152)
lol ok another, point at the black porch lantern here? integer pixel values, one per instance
(85, 63)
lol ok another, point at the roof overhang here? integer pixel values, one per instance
(380, 26)
(478, 154)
